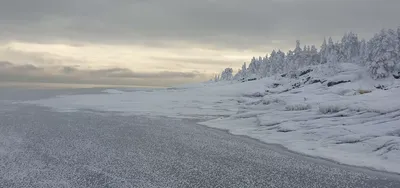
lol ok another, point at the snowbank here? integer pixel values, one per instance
(341, 115)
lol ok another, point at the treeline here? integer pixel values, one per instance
(380, 54)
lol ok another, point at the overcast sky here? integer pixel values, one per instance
(166, 42)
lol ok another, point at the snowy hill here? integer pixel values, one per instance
(343, 115)
(310, 102)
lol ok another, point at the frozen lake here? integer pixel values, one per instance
(43, 148)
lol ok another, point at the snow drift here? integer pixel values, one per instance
(336, 122)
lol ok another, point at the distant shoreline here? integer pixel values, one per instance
(38, 85)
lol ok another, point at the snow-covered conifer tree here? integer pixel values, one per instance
(289, 62)
(227, 74)
(323, 52)
(349, 48)
(398, 50)
(280, 62)
(382, 54)
(315, 56)
(363, 52)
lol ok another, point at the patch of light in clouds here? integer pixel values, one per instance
(135, 57)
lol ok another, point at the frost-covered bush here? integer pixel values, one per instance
(254, 95)
(297, 107)
(345, 92)
(363, 91)
(330, 109)
(272, 100)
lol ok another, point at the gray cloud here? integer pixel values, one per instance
(255, 25)
(194, 61)
(5, 64)
(68, 70)
(218, 23)
(8, 66)
(10, 72)
(42, 58)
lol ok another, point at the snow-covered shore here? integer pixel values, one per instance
(342, 115)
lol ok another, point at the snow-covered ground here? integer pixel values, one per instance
(356, 122)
